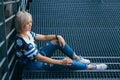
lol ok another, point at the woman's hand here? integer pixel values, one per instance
(66, 62)
(61, 40)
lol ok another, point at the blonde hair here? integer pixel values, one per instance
(21, 20)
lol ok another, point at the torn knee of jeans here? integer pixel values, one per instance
(54, 41)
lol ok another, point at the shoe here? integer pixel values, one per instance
(82, 60)
(86, 61)
(101, 66)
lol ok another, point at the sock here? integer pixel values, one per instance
(78, 59)
(94, 67)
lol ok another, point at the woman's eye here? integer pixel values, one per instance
(28, 23)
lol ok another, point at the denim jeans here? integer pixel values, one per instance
(48, 51)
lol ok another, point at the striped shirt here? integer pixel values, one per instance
(26, 47)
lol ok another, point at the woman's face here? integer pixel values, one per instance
(28, 26)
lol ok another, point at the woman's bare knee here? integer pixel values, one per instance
(53, 41)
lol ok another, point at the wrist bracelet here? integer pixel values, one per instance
(56, 37)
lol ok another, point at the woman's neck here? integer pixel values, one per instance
(24, 34)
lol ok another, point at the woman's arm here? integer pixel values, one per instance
(45, 37)
(65, 61)
(51, 37)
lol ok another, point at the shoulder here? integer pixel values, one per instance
(19, 41)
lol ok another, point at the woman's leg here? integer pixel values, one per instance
(53, 45)
(75, 66)
(70, 53)
(49, 48)
(101, 66)
(79, 66)
(33, 65)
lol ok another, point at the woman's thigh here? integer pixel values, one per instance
(49, 49)
(33, 65)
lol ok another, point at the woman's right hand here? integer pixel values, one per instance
(66, 62)
(61, 40)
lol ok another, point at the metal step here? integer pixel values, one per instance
(76, 74)
(58, 72)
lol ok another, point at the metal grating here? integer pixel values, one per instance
(91, 41)
(91, 27)
(71, 74)
(111, 1)
(97, 25)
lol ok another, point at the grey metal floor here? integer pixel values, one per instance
(91, 27)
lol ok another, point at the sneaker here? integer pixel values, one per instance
(101, 66)
(82, 60)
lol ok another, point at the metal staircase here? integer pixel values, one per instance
(91, 27)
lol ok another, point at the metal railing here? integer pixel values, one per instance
(7, 32)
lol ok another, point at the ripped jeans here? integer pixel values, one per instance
(48, 50)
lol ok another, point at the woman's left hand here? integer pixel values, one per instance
(67, 62)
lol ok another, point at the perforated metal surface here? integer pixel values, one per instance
(79, 74)
(92, 29)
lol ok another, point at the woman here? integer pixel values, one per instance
(28, 53)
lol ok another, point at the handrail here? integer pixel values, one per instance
(4, 76)
(10, 33)
(10, 63)
(10, 2)
(6, 20)
(3, 60)
(12, 71)
(12, 45)
(1, 43)
(7, 74)
(1, 23)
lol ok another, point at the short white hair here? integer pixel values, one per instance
(21, 20)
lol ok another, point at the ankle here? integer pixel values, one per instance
(75, 57)
(90, 67)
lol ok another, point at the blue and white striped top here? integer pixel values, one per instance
(25, 47)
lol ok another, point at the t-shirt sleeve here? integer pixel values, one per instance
(19, 43)
(30, 51)
(18, 47)
(26, 49)
(33, 34)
